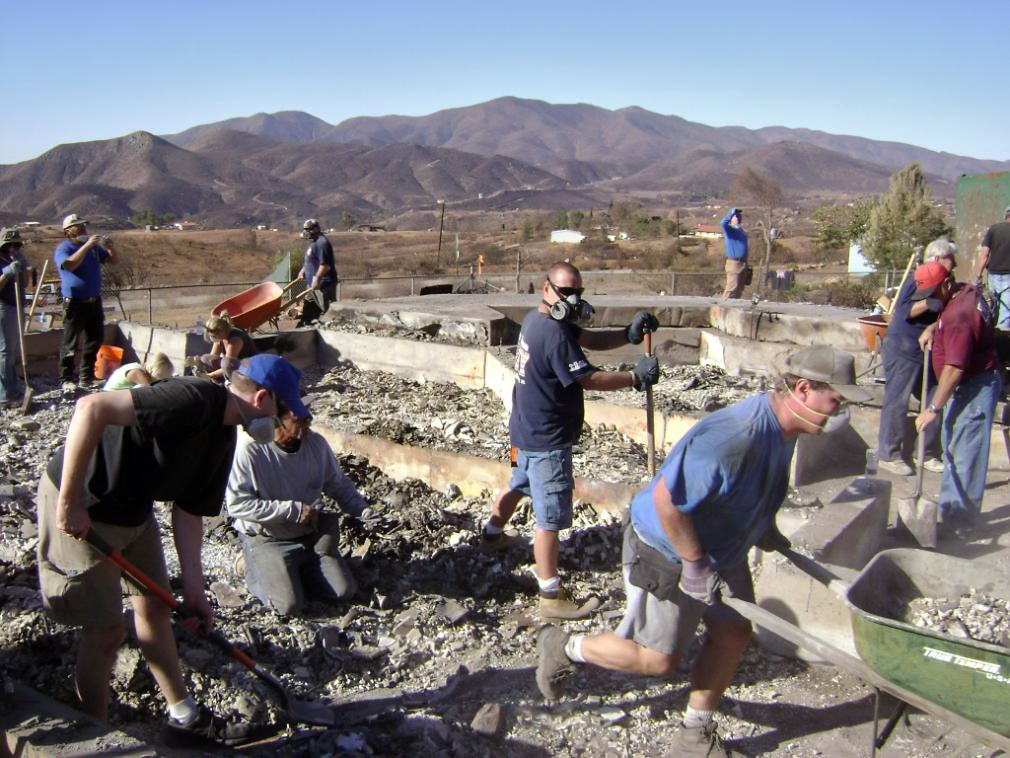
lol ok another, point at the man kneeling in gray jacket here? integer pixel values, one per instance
(275, 490)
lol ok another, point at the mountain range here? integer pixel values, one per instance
(505, 153)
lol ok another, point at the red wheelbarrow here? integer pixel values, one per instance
(252, 308)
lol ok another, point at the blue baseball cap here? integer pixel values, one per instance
(277, 375)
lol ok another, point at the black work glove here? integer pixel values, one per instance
(773, 540)
(642, 322)
(698, 580)
(645, 373)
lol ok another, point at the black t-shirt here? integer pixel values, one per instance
(997, 239)
(178, 450)
(547, 405)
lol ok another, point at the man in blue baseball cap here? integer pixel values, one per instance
(172, 442)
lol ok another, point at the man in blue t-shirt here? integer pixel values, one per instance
(547, 409)
(79, 260)
(688, 534)
(319, 272)
(736, 252)
(903, 362)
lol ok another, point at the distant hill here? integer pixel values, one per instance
(505, 153)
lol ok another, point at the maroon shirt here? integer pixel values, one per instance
(965, 335)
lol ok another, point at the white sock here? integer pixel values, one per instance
(492, 530)
(694, 718)
(549, 585)
(184, 711)
(573, 648)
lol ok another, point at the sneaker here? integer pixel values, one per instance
(701, 741)
(69, 389)
(489, 545)
(208, 730)
(561, 606)
(898, 467)
(933, 464)
(553, 666)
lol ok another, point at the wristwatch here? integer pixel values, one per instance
(932, 408)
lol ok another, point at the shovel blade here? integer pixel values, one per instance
(26, 403)
(919, 516)
(309, 712)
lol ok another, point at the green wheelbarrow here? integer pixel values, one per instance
(965, 682)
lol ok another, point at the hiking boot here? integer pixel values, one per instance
(701, 741)
(499, 543)
(208, 730)
(897, 466)
(933, 464)
(561, 607)
(553, 666)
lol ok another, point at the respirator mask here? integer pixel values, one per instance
(260, 429)
(570, 306)
(835, 421)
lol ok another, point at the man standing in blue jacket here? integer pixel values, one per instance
(79, 260)
(736, 253)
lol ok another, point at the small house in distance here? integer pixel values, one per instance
(567, 236)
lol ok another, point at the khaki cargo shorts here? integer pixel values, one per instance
(80, 586)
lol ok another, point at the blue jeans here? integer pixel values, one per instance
(999, 286)
(967, 424)
(904, 379)
(9, 352)
(547, 478)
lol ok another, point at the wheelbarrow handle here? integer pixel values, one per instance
(816, 571)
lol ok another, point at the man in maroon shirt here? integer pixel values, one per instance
(969, 381)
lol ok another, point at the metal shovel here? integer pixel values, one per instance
(917, 513)
(296, 711)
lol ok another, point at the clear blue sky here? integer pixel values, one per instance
(927, 73)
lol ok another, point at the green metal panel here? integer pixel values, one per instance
(979, 204)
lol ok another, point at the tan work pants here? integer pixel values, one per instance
(734, 278)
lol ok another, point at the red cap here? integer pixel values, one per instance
(927, 277)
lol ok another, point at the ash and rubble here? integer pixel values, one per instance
(972, 615)
(435, 654)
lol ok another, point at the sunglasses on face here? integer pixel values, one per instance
(566, 291)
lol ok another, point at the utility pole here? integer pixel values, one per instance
(441, 224)
(519, 264)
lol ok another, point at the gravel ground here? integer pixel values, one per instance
(437, 630)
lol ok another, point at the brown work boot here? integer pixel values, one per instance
(560, 606)
(499, 543)
(553, 666)
(701, 741)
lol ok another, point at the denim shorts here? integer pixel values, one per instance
(547, 478)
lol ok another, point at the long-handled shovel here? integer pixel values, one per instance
(35, 297)
(296, 711)
(650, 420)
(26, 403)
(918, 513)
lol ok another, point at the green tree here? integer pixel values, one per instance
(903, 219)
(837, 225)
(527, 232)
(561, 220)
(575, 218)
(148, 217)
(347, 220)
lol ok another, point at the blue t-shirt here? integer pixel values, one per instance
(547, 405)
(903, 335)
(730, 472)
(736, 239)
(86, 279)
(320, 252)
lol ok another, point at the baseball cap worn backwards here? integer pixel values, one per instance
(72, 220)
(277, 375)
(823, 363)
(927, 278)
